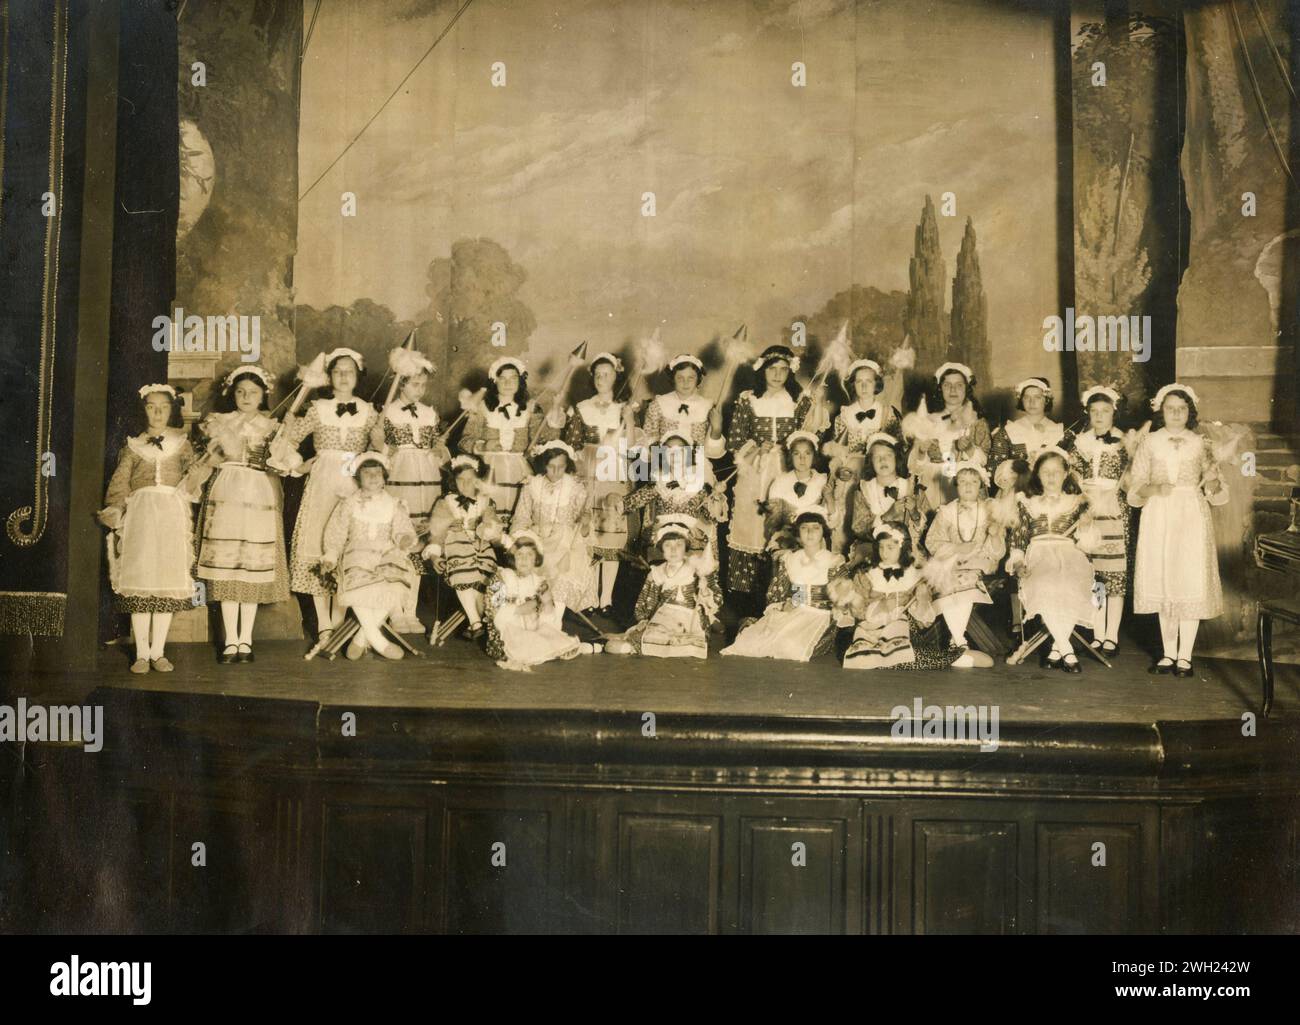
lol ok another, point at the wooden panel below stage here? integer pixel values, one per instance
(424, 826)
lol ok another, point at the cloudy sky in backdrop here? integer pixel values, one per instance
(770, 198)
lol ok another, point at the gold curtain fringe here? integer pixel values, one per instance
(32, 612)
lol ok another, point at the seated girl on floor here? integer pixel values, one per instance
(367, 540)
(892, 607)
(462, 528)
(678, 601)
(523, 619)
(798, 623)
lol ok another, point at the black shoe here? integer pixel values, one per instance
(1180, 671)
(1162, 668)
(229, 656)
(1071, 666)
(1109, 648)
(245, 656)
(607, 611)
(1050, 662)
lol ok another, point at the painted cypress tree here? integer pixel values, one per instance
(925, 320)
(969, 341)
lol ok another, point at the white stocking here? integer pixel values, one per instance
(371, 620)
(471, 602)
(247, 617)
(1060, 628)
(1187, 638)
(608, 574)
(957, 617)
(140, 631)
(1169, 635)
(158, 633)
(329, 613)
(230, 622)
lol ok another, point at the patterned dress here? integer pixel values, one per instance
(898, 503)
(847, 450)
(798, 623)
(461, 531)
(1176, 571)
(759, 427)
(895, 622)
(689, 415)
(338, 436)
(369, 538)
(787, 499)
(506, 433)
(556, 511)
(952, 438)
(522, 628)
(668, 496)
(1058, 576)
(409, 433)
(241, 519)
(1100, 464)
(674, 608)
(965, 544)
(1019, 439)
(590, 428)
(150, 552)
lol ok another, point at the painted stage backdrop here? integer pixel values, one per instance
(951, 173)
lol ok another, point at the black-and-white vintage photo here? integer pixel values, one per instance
(649, 466)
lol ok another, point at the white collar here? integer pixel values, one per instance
(172, 442)
(397, 412)
(1021, 432)
(773, 403)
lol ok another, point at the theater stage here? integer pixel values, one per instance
(772, 798)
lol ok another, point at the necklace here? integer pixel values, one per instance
(974, 530)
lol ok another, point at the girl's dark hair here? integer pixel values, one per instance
(598, 361)
(1049, 400)
(539, 461)
(371, 462)
(770, 356)
(900, 460)
(1100, 397)
(904, 552)
(449, 473)
(853, 391)
(1035, 486)
(936, 393)
(174, 417)
(809, 517)
(492, 399)
(235, 377)
(327, 392)
(510, 555)
(1158, 420)
(802, 441)
(699, 371)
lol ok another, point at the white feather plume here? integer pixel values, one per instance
(313, 375)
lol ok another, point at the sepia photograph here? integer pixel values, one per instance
(643, 467)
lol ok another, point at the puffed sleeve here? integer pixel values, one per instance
(297, 428)
(779, 589)
(648, 601)
(119, 485)
(980, 440)
(999, 447)
(742, 422)
(653, 424)
(1139, 475)
(475, 430)
(574, 431)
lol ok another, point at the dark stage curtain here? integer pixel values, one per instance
(42, 135)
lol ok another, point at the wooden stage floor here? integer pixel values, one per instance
(460, 676)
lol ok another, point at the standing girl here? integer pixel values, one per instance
(682, 484)
(678, 601)
(150, 514)
(339, 426)
(1032, 432)
(408, 432)
(798, 623)
(795, 492)
(1100, 458)
(684, 410)
(553, 505)
(955, 432)
(854, 426)
(761, 420)
(504, 429)
(241, 521)
(882, 496)
(1055, 574)
(600, 430)
(1174, 482)
(462, 528)
(966, 544)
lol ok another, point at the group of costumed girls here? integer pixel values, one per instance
(859, 531)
